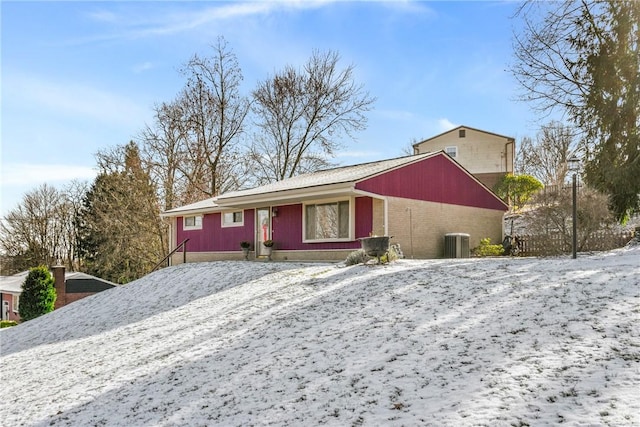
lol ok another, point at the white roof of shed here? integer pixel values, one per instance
(13, 284)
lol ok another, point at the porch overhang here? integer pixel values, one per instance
(287, 197)
(202, 207)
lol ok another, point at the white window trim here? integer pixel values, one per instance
(455, 150)
(15, 302)
(197, 222)
(232, 224)
(352, 205)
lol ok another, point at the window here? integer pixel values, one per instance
(232, 219)
(15, 302)
(451, 151)
(462, 133)
(192, 222)
(327, 221)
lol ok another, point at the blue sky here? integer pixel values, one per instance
(78, 77)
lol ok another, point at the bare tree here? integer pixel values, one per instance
(162, 148)
(583, 59)
(213, 115)
(73, 195)
(546, 157)
(545, 58)
(35, 232)
(553, 215)
(303, 115)
(192, 148)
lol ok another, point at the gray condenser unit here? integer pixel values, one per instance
(456, 245)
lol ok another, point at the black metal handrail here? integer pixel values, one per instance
(167, 258)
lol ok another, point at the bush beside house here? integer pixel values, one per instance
(38, 294)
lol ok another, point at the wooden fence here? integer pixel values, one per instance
(558, 243)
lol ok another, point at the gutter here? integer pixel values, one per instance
(511, 142)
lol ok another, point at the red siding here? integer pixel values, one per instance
(213, 237)
(287, 227)
(435, 179)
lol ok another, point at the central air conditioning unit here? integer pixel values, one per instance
(456, 245)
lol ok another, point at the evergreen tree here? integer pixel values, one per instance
(38, 294)
(121, 234)
(612, 113)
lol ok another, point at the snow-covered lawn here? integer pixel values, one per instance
(503, 341)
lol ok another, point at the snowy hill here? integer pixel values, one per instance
(504, 341)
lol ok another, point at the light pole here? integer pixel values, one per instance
(574, 166)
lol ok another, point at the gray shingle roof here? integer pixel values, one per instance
(340, 175)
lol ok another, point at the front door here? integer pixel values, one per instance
(263, 227)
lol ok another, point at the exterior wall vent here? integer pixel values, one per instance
(456, 245)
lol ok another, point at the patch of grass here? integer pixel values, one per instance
(7, 323)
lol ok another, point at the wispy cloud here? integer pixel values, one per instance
(71, 98)
(103, 16)
(445, 124)
(144, 66)
(129, 25)
(31, 174)
(409, 6)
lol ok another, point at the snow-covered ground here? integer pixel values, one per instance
(503, 341)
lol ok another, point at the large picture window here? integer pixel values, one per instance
(232, 219)
(327, 221)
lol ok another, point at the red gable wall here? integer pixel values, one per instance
(435, 179)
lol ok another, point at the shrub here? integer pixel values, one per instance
(38, 294)
(487, 249)
(7, 323)
(390, 256)
(356, 257)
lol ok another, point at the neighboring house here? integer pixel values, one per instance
(320, 216)
(10, 290)
(486, 155)
(75, 286)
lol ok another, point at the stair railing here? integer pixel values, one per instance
(168, 257)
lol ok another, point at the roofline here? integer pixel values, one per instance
(423, 156)
(222, 203)
(191, 208)
(446, 156)
(182, 212)
(508, 138)
(295, 193)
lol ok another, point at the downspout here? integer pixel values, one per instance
(511, 142)
(386, 216)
